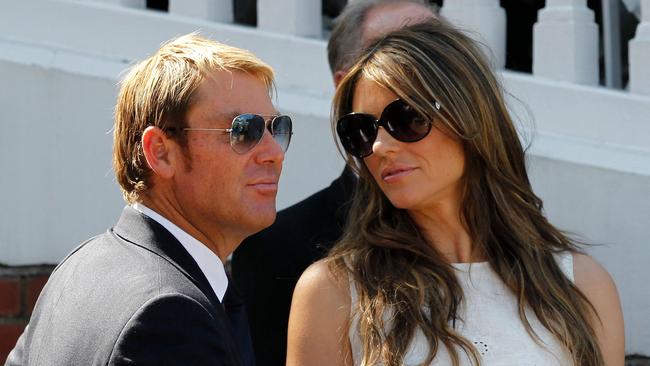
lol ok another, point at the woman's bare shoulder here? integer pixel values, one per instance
(591, 277)
(319, 318)
(597, 285)
(323, 286)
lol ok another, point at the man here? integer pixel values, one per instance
(199, 168)
(245, 11)
(267, 266)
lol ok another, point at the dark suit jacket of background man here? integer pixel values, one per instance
(267, 265)
(130, 296)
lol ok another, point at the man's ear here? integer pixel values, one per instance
(159, 151)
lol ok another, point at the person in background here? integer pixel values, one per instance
(267, 266)
(447, 258)
(198, 152)
(245, 11)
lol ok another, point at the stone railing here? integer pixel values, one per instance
(565, 36)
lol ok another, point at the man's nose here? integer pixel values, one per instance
(269, 151)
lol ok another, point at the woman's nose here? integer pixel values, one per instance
(384, 143)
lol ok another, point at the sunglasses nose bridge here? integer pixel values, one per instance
(268, 123)
(388, 129)
(384, 124)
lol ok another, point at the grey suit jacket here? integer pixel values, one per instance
(131, 296)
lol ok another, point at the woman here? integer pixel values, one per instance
(447, 258)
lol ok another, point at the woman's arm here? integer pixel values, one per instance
(597, 285)
(318, 323)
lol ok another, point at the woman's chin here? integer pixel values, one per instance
(402, 203)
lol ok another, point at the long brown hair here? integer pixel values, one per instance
(395, 268)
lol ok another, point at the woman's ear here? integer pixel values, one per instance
(338, 76)
(158, 150)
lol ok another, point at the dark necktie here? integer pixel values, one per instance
(236, 313)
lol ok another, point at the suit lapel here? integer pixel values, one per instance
(140, 230)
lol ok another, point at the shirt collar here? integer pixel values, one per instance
(209, 263)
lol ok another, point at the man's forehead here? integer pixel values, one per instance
(234, 86)
(227, 80)
(223, 95)
(388, 17)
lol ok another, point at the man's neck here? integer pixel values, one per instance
(216, 241)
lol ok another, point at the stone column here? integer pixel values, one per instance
(611, 30)
(640, 53)
(296, 17)
(565, 42)
(486, 22)
(215, 10)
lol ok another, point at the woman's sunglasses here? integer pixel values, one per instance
(247, 131)
(358, 131)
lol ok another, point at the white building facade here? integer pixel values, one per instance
(61, 62)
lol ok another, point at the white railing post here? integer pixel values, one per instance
(565, 42)
(295, 17)
(612, 43)
(484, 17)
(215, 10)
(137, 4)
(640, 53)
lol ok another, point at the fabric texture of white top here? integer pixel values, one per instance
(209, 263)
(490, 320)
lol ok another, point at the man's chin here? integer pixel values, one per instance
(264, 220)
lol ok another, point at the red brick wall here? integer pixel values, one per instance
(19, 290)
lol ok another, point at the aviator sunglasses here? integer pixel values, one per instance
(358, 131)
(247, 131)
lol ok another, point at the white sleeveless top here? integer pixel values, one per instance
(491, 322)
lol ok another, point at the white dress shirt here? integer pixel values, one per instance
(209, 263)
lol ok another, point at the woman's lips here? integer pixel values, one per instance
(395, 174)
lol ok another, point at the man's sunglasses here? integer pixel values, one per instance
(247, 131)
(358, 131)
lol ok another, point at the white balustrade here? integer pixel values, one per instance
(486, 19)
(633, 6)
(138, 4)
(216, 10)
(640, 53)
(295, 17)
(612, 43)
(565, 42)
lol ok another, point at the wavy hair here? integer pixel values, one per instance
(395, 268)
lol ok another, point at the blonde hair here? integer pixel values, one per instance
(395, 268)
(158, 92)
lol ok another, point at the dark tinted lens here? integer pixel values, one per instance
(247, 131)
(357, 132)
(281, 130)
(404, 123)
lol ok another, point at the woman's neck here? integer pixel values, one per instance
(442, 226)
